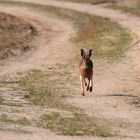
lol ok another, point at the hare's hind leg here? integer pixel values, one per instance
(82, 86)
(88, 84)
(91, 84)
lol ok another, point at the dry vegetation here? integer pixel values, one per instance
(124, 2)
(127, 6)
(92, 1)
(129, 3)
(38, 92)
(78, 125)
(108, 40)
(15, 35)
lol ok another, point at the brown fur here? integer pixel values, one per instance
(86, 71)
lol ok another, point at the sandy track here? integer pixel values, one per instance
(114, 89)
(53, 37)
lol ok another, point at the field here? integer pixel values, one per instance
(39, 82)
(126, 6)
(131, 7)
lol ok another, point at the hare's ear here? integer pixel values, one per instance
(90, 52)
(82, 52)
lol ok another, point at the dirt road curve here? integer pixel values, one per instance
(114, 90)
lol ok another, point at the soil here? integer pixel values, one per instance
(116, 95)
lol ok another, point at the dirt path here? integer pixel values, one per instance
(48, 41)
(116, 91)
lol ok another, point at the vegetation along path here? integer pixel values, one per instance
(114, 105)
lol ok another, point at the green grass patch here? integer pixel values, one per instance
(8, 103)
(44, 91)
(15, 130)
(90, 1)
(21, 121)
(5, 119)
(135, 10)
(78, 125)
(107, 39)
(41, 90)
(1, 100)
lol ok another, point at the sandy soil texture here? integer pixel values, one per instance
(116, 94)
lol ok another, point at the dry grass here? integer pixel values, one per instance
(15, 35)
(52, 94)
(129, 3)
(127, 8)
(91, 1)
(78, 125)
(1, 100)
(107, 39)
(40, 91)
(21, 121)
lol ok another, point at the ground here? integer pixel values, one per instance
(115, 98)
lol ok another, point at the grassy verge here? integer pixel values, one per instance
(90, 1)
(1, 100)
(52, 94)
(78, 125)
(21, 121)
(107, 39)
(135, 10)
(40, 91)
(14, 130)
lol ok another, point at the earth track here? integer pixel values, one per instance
(116, 90)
